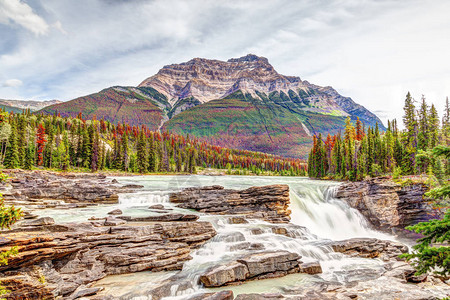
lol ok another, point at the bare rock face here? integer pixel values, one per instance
(387, 205)
(269, 264)
(49, 189)
(206, 79)
(370, 248)
(78, 254)
(270, 203)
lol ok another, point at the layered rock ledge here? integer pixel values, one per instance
(269, 203)
(42, 189)
(71, 256)
(387, 205)
(263, 265)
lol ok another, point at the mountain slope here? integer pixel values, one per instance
(241, 103)
(242, 122)
(33, 105)
(135, 106)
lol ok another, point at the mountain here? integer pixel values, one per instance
(118, 104)
(33, 105)
(242, 103)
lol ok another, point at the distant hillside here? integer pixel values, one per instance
(241, 103)
(33, 105)
(132, 105)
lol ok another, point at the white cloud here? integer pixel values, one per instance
(12, 83)
(22, 14)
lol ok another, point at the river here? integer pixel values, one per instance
(318, 215)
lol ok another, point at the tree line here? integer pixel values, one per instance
(65, 143)
(358, 152)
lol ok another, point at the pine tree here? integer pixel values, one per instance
(423, 135)
(410, 136)
(125, 155)
(12, 154)
(359, 130)
(142, 155)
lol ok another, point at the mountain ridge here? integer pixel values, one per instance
(242, 102)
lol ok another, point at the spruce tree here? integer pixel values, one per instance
(142, 155)
(12, 154)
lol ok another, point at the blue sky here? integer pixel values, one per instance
(372, 51)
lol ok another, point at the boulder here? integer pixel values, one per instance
(311, 268)
(114, 222)
(227, 273)
(270, 262)
(39, 222)
(269, 203)
(115, 212)
(156, 206)
(262, 265)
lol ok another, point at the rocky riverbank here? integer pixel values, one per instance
(387, 205)
(71, 256)
(71, 260)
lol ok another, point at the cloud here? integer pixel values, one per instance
(22, 14)
(12, 83)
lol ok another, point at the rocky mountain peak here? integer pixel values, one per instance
(249, 58)
(206, 79)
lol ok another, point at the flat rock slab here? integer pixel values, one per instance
(269, 203)
(370, 248)
(77, 254)
(269, 264)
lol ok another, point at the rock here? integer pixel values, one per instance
(83, 291)
(223, 295)
(161, 218)
(156, 206)
(114, 181)
(265, 296)
(39, 222)
(132, 186)
(269, 203)
(261, 265)
(25, 287)
(115, 212)
(222, 275)
(387, 205)
(370, 248)
(84, 253)
(270, 262)
(93, 218)
(52, 189)
(311, 268)
(114, 222)
(237, 220)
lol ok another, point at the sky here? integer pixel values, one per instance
(373, 51)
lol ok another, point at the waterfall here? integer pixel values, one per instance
(316, 208)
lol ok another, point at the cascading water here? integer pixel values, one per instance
(316, 215)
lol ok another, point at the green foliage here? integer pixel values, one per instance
(369, 152)
(8, 216)
(432, 253)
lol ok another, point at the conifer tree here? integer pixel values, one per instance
(12, 154)
(142, 155)
(40, 141)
